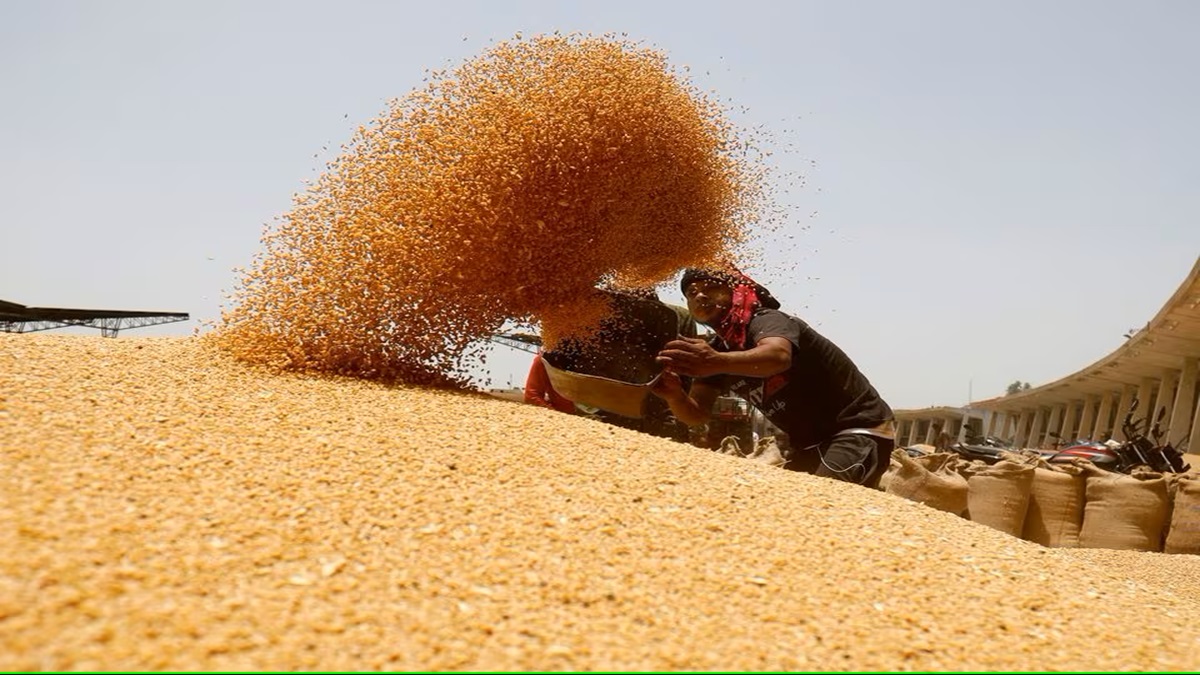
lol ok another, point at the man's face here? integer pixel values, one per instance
(708, 300)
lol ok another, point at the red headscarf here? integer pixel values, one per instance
(748, 296)
(733, 327)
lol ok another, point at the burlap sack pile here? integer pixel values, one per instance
(1059, 506)
(931, 480)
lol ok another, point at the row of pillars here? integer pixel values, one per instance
(926, 429)
(1099, 417)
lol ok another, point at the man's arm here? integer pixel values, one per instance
(693, 407)
(696, 358)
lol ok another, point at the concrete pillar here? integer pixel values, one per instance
(1036, 429)
(989, 429)
(1142, 416)
(1127, 393)
(1088, 418)
(1104, 419)
(969, 427)
(1055, 421)
(929, 429)
(948, 428)
(1166, 398)
(1067, 427)
(1185, 400)
(912, 431)
(1194, 442)
(1022, 429)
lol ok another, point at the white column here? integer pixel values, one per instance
(1166, 398)
(1104, 419)
(1185, 401)
(1034, 440)
(1055, 421)
(998, 424)
(1067, 427)
(1127, 393)
(929, 437)
(1089, 415)
(1022, 429)
(989, 429)
(912, 431)
(1142, 415)
(1193, 446)
(948, 428)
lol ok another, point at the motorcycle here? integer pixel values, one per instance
(1137, 450)
(985, 448)
(1165, 454)
(1101, 453)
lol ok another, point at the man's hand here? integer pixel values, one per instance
(691, 407)
(668, 387)
(693, 357)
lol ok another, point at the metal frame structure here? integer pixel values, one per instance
(17, 318)
(523, 341)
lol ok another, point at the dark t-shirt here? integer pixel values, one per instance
(823, 392)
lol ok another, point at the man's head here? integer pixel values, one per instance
(709, 293)
(709, 296)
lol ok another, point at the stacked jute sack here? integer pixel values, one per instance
(1069, 506)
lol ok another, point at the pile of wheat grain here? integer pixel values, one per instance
(164, 506)
(505, 190)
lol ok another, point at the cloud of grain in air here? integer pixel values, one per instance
(504, 190)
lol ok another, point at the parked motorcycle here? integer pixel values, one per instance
(1137, 450)
(1165, 454)
(981, 447)
(1102, 454)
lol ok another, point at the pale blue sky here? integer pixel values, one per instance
(1000, 189)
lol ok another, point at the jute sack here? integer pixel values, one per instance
(1184, 533)
(930, 480)
(969, 467)
(730, 445)
(998, 496)
(1056, 501)
(766, 451)
(893, 467)
(1124, 512)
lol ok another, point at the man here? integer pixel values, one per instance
(837, 424)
